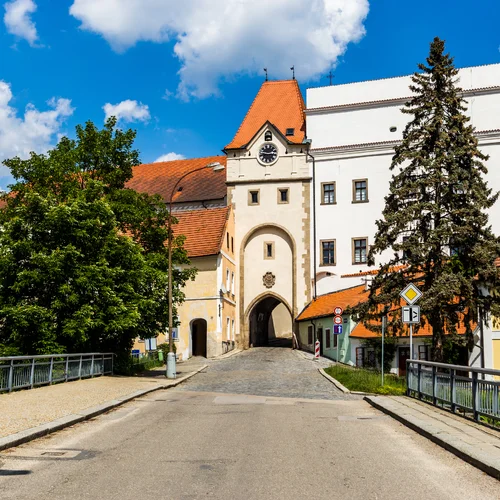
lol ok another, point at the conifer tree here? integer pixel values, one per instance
(435, 218)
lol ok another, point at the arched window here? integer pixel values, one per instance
(268, 136)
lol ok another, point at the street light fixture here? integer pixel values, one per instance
(171, 368)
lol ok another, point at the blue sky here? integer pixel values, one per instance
(186, 72)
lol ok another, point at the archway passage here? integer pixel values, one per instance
(270, 324)
(199, 337)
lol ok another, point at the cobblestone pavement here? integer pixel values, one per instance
(267, 371)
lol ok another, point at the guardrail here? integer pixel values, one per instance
(455, 387)
(26, 372)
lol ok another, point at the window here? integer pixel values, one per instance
(360, 191)
(282, 195)
(328, 253)
(310, 334)
(232, 283)
(360, 356)
(268, 250)
(232, 244)
(290, 131)
(423, 352)
(328, 193)
(232, 328)
(227, 280)
(228, 329)
(359, 246)
(335, 341)
(227, 240)
(253, 197)
(268, 136)
(328, 339)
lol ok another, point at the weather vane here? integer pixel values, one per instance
(293, 71)
(265, 71)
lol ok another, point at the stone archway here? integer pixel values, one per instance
(270, 322)
(199, 337)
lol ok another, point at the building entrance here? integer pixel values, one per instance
(270, 324)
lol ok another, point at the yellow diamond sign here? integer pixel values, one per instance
(411, 294)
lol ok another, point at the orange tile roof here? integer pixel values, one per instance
(324, 305)
(279, 102)
(160, 178)
(373, 272)
(204, 230)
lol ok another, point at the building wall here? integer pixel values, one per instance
(346, 144)
(286, 225)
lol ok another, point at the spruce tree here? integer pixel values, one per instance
(435, 218)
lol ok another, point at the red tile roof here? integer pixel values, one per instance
(374, 272)
(279, 102)
(204, 230)
(160, 178)
(324, 305)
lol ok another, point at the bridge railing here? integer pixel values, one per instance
(26, 372)
(475, 391)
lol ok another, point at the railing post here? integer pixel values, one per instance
(495, 400)
(102, 366)
(32, 374)
(51, 369)
(407, 377)
(66, 369)
(80, 367)
(92, 367)
(453, 406)
(475, 396)
(434, 385)
(112, 362)
(11, 375)
(419, 380)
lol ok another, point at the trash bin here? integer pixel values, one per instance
(160, 355)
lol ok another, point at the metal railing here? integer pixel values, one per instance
(26, 372)
(455, 387)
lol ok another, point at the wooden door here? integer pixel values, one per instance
(404, 354)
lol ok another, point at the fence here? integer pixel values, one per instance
(455, 387)
(26, 372)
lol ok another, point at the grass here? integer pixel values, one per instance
(359, 379)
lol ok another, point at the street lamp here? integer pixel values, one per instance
(171, 369)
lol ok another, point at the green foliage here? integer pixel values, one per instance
(125, 364)
(165, 347)
(390, 348)
(359, 379)
(83, 260)
(435, 217)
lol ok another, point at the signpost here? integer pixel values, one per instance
(337, 326)
(410, 313)
(383, 334)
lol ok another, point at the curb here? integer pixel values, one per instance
(63, 422)
(228, 354)
(335, 382)
(456, 450)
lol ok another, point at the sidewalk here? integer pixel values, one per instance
(28, 414)
(475, 443)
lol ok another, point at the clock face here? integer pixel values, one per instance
(268, 153)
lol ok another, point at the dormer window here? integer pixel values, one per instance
(268, 136)
(290, 131)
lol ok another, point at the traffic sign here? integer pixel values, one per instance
(338, 311)
(411, 294)
(411, 314)
(337, 320)
(337, 329)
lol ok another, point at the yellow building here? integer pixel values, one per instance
(207, 325)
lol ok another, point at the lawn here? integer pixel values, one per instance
(359, 379)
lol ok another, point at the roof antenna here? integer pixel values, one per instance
(292, 69)
(265, 71)
(331, 76)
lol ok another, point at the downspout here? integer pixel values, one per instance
(315, 291)
(314, 333)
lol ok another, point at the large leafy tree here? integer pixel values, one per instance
(435, 218)
(83, 262)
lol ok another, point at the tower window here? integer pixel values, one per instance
(282, 195)
(268, 136)
(268, 250)
(253, 197)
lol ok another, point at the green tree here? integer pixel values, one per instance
(435, 220)
(83, 263)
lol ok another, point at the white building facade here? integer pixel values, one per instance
(354, 128)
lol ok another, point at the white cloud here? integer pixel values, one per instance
(18, 21)
(220, 39)
(170, 157)
(127, 111)
(35, 131)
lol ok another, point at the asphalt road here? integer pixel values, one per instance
(198, 442)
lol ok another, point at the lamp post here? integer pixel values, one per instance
(171, 368)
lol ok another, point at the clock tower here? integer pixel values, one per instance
(269, 186)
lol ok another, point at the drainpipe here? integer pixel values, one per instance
(315, 292)
(314, 333)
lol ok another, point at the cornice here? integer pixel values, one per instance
(269, 181)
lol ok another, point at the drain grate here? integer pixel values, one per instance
(53, 453)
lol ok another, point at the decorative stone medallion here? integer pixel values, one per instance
(269, 279)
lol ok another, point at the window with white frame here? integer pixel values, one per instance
(228, 329)
(232, 283)
(232, 328)
(227, 280)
